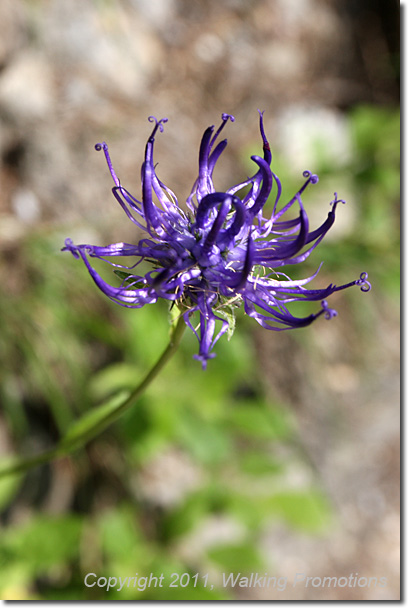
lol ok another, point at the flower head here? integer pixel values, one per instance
(220, 252)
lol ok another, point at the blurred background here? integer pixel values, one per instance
(284, 456)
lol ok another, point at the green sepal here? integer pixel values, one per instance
(128, 278)
(228, 314)
(174, 315)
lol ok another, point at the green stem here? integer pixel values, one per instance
(20, 465)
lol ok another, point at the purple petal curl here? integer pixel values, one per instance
(223, 252)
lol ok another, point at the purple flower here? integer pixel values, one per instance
(218, 253)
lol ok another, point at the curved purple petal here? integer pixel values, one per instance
(222, 252)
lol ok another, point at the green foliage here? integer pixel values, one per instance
(237, 558)
(80, 431)
(204, 415)
(302, 510)
(45, 545)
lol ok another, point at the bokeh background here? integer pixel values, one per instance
(284, 456)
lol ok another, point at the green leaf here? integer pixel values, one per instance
(261, 421)
(303, 510)
(93, 422)
(8, 485)
(237, 557)
(120, 536)
(207, 441)
(113, 378)
(258, 463)
(184, 518)
(43, 543)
